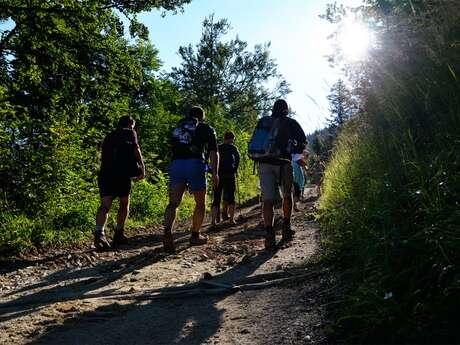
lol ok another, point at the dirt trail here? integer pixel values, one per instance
(124, 297)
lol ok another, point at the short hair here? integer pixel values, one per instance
(229, 135)
(125, 121)
(280, 108)
(197, 112)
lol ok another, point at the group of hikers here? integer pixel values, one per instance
(277, 146)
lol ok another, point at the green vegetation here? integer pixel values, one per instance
(390, 208)
(68, 71)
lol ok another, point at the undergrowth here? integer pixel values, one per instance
(70, 219)
(390, 205)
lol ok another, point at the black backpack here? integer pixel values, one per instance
(184, 133)
(227, 160)
(124, 157)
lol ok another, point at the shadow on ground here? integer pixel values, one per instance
(179, 320)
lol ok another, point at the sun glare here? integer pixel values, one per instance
(354, 40)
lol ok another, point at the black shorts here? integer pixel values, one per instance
(227, 186)
(114, 186)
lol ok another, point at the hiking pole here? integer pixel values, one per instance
(238, 194)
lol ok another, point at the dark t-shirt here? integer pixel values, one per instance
(111, 141)
(203, 140)
(229, 158)
(291, 139)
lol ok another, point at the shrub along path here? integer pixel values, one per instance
(230, 291)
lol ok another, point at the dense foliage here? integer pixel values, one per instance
(391, 192)
(69, 70)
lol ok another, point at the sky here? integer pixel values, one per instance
(298, 39)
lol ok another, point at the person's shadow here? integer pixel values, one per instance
(175, 320)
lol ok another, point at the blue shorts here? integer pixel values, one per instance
(191, 172)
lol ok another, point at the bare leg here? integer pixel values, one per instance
(101, 216)
(231, 213)
(123, 211)
(296, 200)
(198, 214)
(214, 215)
(175, 197)
(287, 206)
(268, 213)
(287, 211)
(225, 210)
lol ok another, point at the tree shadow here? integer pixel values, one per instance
(179, 320)
(96, 276)
(104, 267)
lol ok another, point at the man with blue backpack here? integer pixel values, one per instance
(275, 139)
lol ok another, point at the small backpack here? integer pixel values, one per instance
(184, 133)
(227, 159)
(124, 158)
(264, 142)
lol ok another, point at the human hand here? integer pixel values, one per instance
(141, 176)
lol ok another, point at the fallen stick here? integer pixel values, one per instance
(195, 289)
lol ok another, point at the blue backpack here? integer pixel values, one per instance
(264, 140)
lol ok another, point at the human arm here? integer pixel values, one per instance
(297, 133)
(138, 154)
(213, 156)
(237, 160)
(214, 165)
(141, 162)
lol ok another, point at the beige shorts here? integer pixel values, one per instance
(274, 177)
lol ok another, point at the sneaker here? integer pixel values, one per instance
(270, 238)
(168, 242)
(198, 240)
(232, 222)
(288, 233)
(119, 239)
(100, 242)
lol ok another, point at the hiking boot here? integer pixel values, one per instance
(101, 243)
(168, 242)
(270, 238)
(198, 239)
(288, 233)
(119, 239)
(225, 217)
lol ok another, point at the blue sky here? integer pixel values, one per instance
(298, 43)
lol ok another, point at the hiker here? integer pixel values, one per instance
(120, 162)
(298, 166)
(229, 160)
(190, 139)
(275, 138)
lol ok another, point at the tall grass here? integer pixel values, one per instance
(390, 208)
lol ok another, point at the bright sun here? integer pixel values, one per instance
(354, 40)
